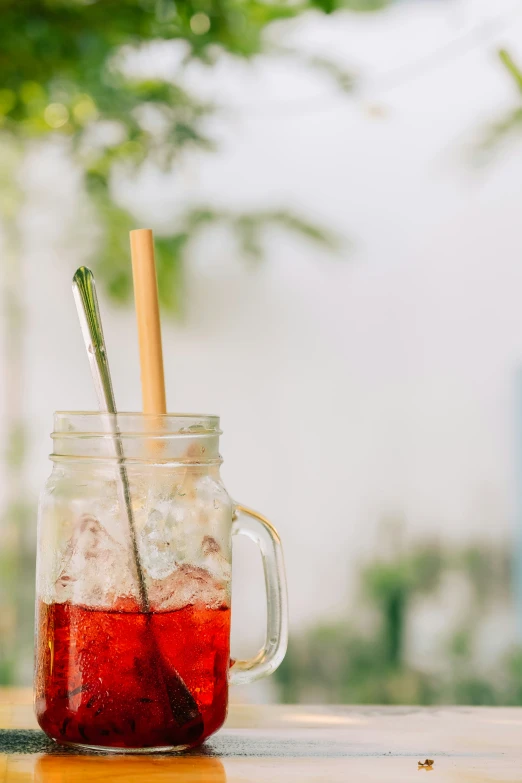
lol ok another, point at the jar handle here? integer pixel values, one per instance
(249, 523)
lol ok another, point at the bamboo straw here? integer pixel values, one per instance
(149, 329)
(149, 335)
(183, 705)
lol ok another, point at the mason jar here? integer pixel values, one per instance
(134, 582)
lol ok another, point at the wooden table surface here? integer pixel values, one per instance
(282, 743)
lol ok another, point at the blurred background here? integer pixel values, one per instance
(334, 186)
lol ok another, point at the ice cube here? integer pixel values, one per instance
(157, 549)
(180, 535)
(184, 541)
(214, 560)
(96, 569)
(188, 585)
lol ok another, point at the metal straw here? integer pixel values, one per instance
(86, 299)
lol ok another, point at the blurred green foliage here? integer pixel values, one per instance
(366, 660)
(510, 125)
(62, 73)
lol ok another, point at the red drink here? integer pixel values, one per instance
(103, 676)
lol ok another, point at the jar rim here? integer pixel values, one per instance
(144, 438)
(93, 423)
(138, 414)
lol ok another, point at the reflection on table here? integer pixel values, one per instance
(57, 768)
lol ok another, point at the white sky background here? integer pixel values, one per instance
(379, 382)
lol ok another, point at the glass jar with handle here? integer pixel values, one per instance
(112, 673)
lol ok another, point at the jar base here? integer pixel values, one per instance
(122, 751)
